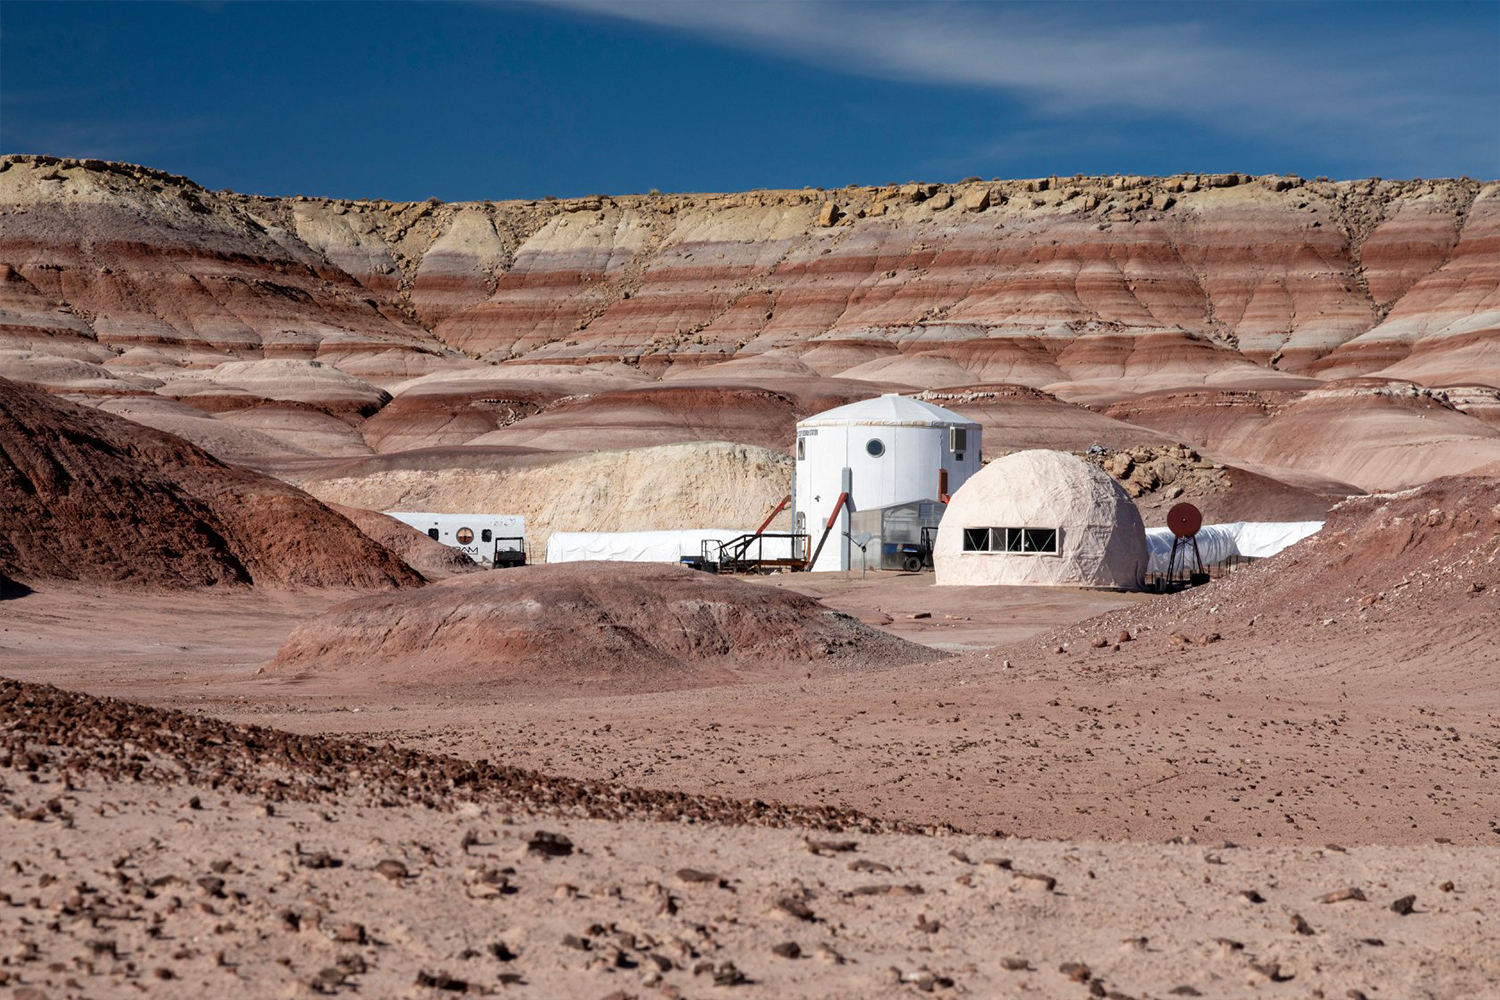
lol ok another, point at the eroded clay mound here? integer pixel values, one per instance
(1400, 586)
(432, 559)
(89, 496)
(1158, 478)
(593, 625)
(1374, 433)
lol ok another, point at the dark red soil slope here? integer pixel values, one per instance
(88, 496)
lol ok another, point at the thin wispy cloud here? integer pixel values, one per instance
(1311, 84)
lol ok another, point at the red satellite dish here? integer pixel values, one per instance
(1184, 519)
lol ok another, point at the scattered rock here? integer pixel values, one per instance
(441, 981)
(1404, 906)
(1272, 971)
(696, 876)
(1076, 971)
(795, 907)
(350, 933)
(1340, 895)
(392, 869)
(549, 845)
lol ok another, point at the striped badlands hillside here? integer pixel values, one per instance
(324, 327)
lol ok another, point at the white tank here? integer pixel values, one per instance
(895, 449)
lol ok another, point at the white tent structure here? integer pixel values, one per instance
(1041, 518)
(883, 451)
(1219, 543)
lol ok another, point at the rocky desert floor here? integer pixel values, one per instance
(1253, 815)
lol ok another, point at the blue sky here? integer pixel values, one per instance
(409, 100)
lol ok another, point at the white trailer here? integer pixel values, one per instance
(493, 540)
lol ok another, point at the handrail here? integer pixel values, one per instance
(734, 552)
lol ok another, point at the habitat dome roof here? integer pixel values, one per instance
(1100, 540)
(891, 408)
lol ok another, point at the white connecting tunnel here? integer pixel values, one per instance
(652, 546)
(1220, 542)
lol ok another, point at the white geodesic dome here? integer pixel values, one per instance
(1010, 506)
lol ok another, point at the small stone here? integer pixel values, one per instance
(829, 955)
(787, 949)
(1076, 971)
(1015, 965)
(830, 846)
(727, 975)
(1302, 926)
(549, 845)
(322, 859)
(1271, 970)
(351, 933)
(1340, 895)
(1404, 906)
(392, 869)
(1046, 881)
(441, 981)
(795, 907)
(1251, 895)
(694, 875)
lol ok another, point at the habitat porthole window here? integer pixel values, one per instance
(432, 533)
(875, 447)
(464, 536)
(801, 449)
(485, 535)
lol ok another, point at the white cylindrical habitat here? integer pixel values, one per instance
(897, 450)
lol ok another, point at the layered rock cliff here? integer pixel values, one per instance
(1047, 281)
(339, 327)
